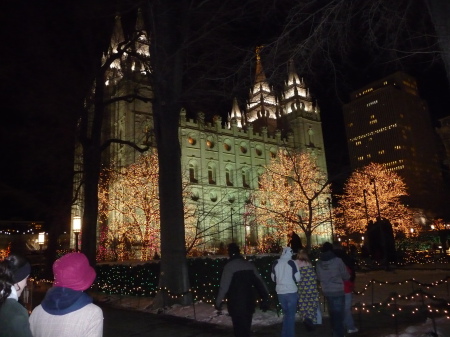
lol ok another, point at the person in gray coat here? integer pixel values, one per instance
(331, 273)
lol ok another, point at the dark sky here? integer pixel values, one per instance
(44, 64)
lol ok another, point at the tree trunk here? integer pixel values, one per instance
(91, 142)
(308, 235)
(90, 215)
(167, 58)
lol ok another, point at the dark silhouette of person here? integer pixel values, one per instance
(238, 279)
(295, 242)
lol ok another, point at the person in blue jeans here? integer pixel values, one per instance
(331, 273)
(286, 275)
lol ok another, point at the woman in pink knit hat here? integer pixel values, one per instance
(66, 310)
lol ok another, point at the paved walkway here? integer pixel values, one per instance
(128, 323)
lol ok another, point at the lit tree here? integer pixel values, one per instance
(293, 196)
(129, 199)
(370, 192)
(130, 215)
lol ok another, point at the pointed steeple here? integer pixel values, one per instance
(235, 114)
(262, 102)
(260, 77)
(117, 35)
(292, 75)
(296, 94)
(142, 45)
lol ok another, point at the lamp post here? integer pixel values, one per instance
(365, 205)
(76, 227)
(372, 181)
(331, 218)
(232, 229)
(41, 239)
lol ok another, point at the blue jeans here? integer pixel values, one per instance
(336, 309)
(288, 303)
(349, 324)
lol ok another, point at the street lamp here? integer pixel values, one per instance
(231, 221)
(331, 219)
(41, 239)
(372, 181)
(365, 205)
(76, 227)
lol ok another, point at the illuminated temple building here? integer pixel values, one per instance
(388, 123)
(221, 158)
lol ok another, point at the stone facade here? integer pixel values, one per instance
(221, 159)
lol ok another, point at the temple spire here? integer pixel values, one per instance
(235, 114)
(259, 74)
(262, 102)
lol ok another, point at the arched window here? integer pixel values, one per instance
(193, 172)
(273, 152)
(211, 174)
(246, 178)
(229, 175)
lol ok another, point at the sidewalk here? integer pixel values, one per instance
(128, 316)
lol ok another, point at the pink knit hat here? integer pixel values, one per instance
(73, 271)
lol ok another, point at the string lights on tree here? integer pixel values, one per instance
(293, 196)
(129, 207)
(372, 192)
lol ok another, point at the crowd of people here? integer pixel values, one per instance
(297, 284)
(66, 311)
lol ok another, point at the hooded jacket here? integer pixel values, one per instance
(61, 301)
(331, 272)
(66, 313)
(285, 273)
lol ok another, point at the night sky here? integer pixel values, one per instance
(48, 48)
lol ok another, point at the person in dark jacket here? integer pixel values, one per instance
(238, 279)
(295, 242)
(14, 272)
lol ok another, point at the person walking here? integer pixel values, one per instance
(286, 275)
(238, 279)
(308, 300)
(331, 273)
(66, 310)
(294, 242)
(14, 272)
(349, 286)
